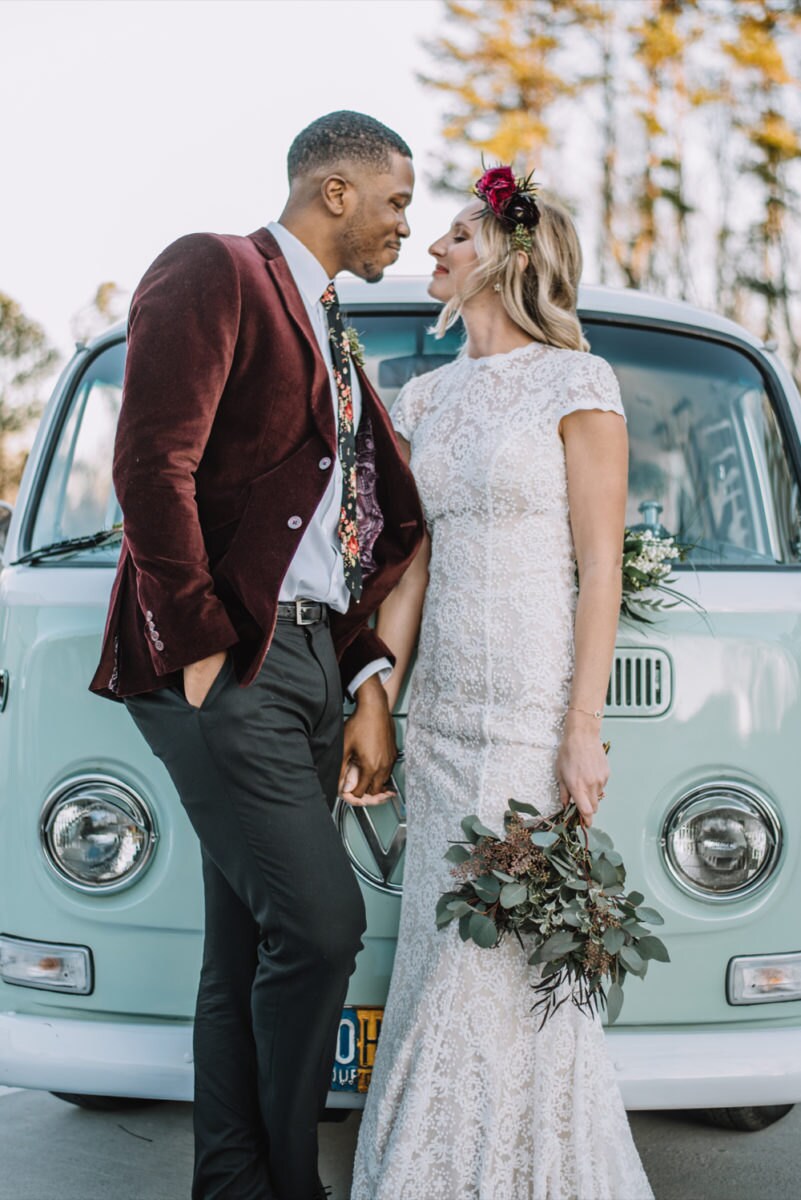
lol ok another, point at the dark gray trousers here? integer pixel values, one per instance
(256, 769)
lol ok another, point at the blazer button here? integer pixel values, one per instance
(159, 646)
(148, 615)
(294, 522)
(324, 463)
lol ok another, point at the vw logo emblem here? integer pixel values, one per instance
(375, 839)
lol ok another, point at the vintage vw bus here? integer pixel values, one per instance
(100, 906)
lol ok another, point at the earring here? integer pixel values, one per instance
(496, 287)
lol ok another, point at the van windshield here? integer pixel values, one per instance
(709, 463)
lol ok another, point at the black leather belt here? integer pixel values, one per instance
(302, 612)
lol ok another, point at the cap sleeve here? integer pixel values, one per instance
(407, 409)
(592, 384)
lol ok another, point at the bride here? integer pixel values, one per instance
(520, 455)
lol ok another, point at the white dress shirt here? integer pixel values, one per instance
(316, 571)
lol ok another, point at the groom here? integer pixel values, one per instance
(267, 513)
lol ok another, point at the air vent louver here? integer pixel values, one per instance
(641, 684)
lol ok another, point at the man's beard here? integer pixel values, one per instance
(360, 250)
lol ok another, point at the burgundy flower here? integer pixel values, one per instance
(513, 202)
(496, 187)
(522, 210)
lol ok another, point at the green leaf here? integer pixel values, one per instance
(458, 908)
(632, 960)
(604, 872)
(483, 931)
(457, 853)
(635, 929)
(479, 829)
(650, 915)
(444, 915)
(512, 894)
(613, 857)
(487, 887)
(598, 839)
(614, 1002)
(551, 968)
(464, 928)
(577, 885)
(558, 944)
(635, 898)
(504, 878)
(653, 947)
(544, 838)
(518, 806)
(613, 939)
(467, 826)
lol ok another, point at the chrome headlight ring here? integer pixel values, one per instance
(721, 841)
(97, 834)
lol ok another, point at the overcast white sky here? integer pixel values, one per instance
(127, 123)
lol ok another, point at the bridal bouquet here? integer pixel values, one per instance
(562, 886)
(648, 559)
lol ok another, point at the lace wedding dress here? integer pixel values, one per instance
(469, 1101)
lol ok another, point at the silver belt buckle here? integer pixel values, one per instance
(299, 617)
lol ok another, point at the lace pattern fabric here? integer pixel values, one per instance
(469, 1101)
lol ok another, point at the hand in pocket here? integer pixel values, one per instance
(199, 677)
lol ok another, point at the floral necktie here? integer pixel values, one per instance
(346, 442)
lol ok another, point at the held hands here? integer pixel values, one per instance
(582, 768)
(369, 752)
(199, 676)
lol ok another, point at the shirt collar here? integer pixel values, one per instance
(307, 271)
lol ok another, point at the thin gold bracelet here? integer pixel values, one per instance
(597, 714)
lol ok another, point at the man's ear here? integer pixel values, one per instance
(333, 190)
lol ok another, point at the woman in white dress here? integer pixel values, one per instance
(519, 451)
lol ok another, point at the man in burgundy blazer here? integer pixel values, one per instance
(223, 466)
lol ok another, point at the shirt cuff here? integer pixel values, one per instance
(380, 666)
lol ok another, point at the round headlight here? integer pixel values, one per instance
(721, 841)
(97, 834)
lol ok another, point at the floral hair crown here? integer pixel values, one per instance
(512, 201)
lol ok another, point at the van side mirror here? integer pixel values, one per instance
(6, 512)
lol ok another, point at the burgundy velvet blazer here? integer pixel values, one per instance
(224, 448)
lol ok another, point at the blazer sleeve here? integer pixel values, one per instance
(182, 334)
(365, 649)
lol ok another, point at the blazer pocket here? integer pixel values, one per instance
(279, 505)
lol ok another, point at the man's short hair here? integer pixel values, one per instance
(344, 135)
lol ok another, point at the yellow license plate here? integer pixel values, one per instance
(355, 1053)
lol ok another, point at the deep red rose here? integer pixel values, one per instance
(496, 187)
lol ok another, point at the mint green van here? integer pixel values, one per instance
(100, 894)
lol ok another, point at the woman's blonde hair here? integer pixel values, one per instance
(542, 297)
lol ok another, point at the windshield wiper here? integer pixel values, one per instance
(69, 545)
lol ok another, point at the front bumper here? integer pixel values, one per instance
(676, 1068)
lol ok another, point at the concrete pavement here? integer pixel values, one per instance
(50, 1150)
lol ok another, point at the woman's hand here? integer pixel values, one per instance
(582, 768)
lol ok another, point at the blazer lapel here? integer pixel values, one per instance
(290, 297)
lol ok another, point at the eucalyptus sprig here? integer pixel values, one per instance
(561, 887)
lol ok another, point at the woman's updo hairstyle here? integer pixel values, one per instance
(541, 296)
